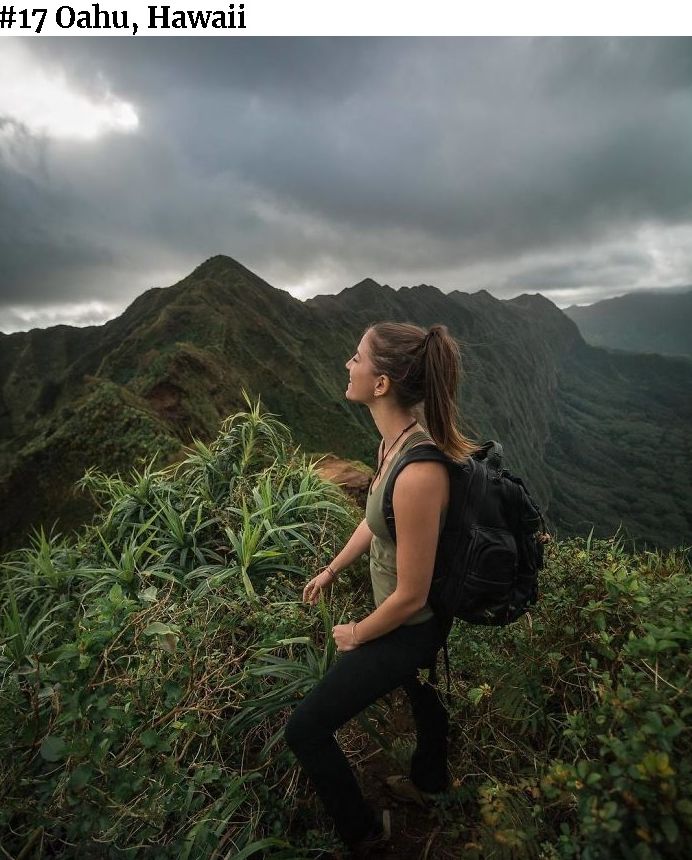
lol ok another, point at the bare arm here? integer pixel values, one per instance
(357, 544)
(420, 493)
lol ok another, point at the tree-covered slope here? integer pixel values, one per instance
(167, 370)
(653, 321)
(620, 447)
(174, 364)
(510, 355)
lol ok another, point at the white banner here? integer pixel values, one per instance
(353, 18)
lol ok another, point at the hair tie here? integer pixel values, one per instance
(428, 337)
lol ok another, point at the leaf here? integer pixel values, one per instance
(80, 777)
(115, 595)
(670, 829)
(149, 594)
(63, 652)
(53, 748)
(260, 845)
(475, 695)
(248, 584)
(149, 738)
(609, 809)
(663, 767)
(167, 642)
(156, 627)
(48, 691)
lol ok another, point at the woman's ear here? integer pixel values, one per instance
(382, 384)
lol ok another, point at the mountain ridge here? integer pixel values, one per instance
(173, 365)
(643, 321)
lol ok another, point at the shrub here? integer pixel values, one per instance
(579, 715)
(148, 664)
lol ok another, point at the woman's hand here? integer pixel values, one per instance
(311, 592)
(344, 638)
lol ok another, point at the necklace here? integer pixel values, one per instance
(384, 456)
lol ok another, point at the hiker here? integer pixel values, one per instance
(397, 368)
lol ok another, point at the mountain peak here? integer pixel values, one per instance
(368, 284)
(536, 299)
(226, 278)
(425, 288)
(219, 265)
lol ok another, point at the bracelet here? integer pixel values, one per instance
(331, 571)
(353, 633)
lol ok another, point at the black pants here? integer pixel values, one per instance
(355, 680)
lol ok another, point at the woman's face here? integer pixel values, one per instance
(362, 376)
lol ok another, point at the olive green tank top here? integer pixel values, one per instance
(382, 547)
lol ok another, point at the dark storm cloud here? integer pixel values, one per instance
(612, 270)
(511, 164)
(297, 69)
(43, 243)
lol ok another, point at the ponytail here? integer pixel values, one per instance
(424, 367)
(442, 363)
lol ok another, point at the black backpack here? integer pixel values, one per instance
(490, 549)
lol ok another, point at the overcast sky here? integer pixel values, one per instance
(555, 166)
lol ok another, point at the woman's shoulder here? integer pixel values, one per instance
(421, 471)
(421, 477)
(421, 491)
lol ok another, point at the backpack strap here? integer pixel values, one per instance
(416, 454)
(462, 516)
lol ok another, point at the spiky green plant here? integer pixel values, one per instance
(148, 665)
(126, 654)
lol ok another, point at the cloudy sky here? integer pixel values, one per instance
(514, 165)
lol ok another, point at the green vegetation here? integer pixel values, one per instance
(148, 666)
(619, 415)
(654, 321)
(601, 439)
(579, 717)
(140, 697)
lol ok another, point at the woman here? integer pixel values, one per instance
(396, 368)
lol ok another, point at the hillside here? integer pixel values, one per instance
(150, 662)
(653, 321)
(587, 429)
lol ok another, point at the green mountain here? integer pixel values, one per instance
(600, 438)
(652, 321)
